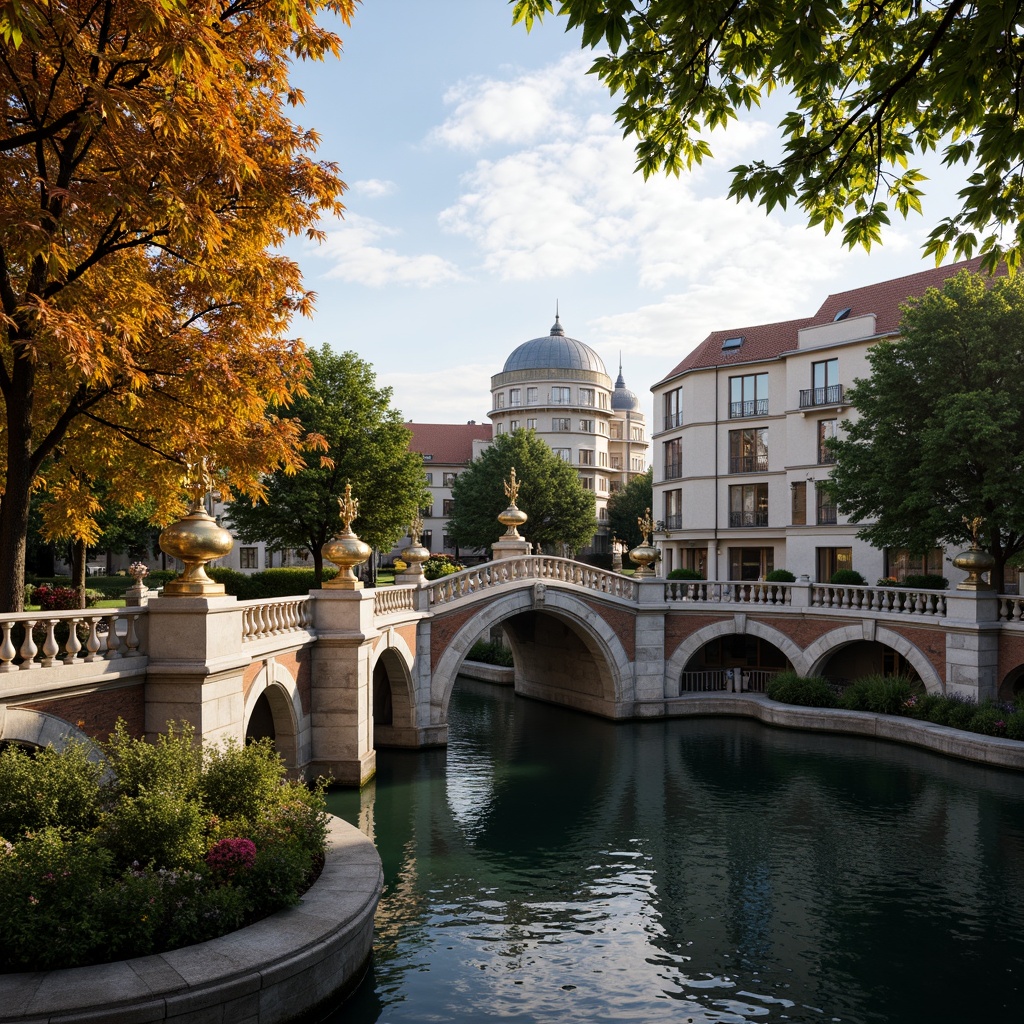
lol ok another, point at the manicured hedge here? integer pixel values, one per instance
(282, 582)
(490, 652)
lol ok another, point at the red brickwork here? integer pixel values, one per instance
(96, 713)
(679, 626)
(803, 632)
(1011, 653)
(249, 677)
(299, 665)
(930, 642)
(443, 630)
(622, 623)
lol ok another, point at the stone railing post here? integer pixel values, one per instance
(649, 639)
(972, 643)
(196, 666)
(341, 697)
(800, 595)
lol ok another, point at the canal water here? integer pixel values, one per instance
(552, 867)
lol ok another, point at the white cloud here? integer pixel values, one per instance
(444, 396)
(373, 188)
(352, 247)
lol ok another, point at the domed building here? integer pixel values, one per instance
(559, 387)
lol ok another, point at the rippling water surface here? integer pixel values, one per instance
(552, 867)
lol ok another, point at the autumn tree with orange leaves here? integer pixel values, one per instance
(148, 174)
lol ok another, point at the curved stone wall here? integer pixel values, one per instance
(272, 971)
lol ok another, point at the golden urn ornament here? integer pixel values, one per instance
(512, 517)
(644, 554)
(415, 554)
(196, 540)
(974, 561)
(346, 551)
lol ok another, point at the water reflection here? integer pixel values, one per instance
(555, 867)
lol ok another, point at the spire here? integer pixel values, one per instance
(556, 327)
(621, 382)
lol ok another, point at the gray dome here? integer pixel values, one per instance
(555, 351)
(622, 397)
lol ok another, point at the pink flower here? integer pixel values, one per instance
(228, 856)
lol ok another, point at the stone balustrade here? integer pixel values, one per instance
(721, 592)
(1011, 608)
(33, 640)
(269, 617)
(389, 600)
(529, 567)
(896, 600)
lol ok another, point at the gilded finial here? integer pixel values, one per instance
(646, 524)
(512, 488)
(348, 508)
(197, 482)
(974, 528)
(416, 529)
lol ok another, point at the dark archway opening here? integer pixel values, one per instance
(866, 658)
(735, 662)
(383, 704)
(1012, 687)
(261, 721)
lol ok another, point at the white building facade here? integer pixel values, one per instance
(739, 445)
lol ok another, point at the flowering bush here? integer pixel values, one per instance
(229, 856)
(437, 566)
(52, 598)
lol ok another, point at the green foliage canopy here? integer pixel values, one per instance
(940, 433)
(873, 86)
(561, 510)
(625, 507)
(367, 446)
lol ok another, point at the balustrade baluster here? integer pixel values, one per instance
(50, 646)
(131, 636)
(113, 640)
(92, 643)
(7, 650)
(28, 647)
(73, 645)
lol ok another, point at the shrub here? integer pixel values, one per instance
(172, 764)
(847, 578)
(684, 574)
(53, 598)
(926, 582)
(886, 695)
(227, 857)
(160, 828)
(989, 719)
(1015, 725)
(887, 581)
(806, 691)
(240, 782)
(490, 652)
(437, 566)
(780, 576)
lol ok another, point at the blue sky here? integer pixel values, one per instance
(487, 181)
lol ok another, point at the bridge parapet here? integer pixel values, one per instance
(548, 568)
(71, 637)
(1011, 609)
(268, 617)
(896, 600)
(389, 600)
(722, 592)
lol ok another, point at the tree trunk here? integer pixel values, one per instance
(79, 556)
(14, 507)
(318, 566)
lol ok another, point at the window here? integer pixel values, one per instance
(430, 479)
(750, 563)
(602, 400)
(602, 427)
(900, 563)
(616, 432)
(748, 505)
(602, 514)
(531, 423)
(826, 430)
(531, 396)
(427, 512)
(826, 510)
(587, 426)
(673, 458)
(561, 423)
(499, 400)
(426, 538)
(588, 482)
(799, 496)
(825, 387)
(748, 395)
(748, 450)
(449, 479)
(448, 507)
(565, 454)
(513, 425)
(515, 396)
(561, 396)
(499, 428)
(602, 484)
(616, 462)
(637, 433)
(673, 405)
(586, 396)
(249, 558)
(446, 541)
(586, 456)
(638, 465)
(831, 560)
(673, 510)
(602, 459)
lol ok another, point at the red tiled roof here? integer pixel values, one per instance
(447, 443)
(769, 341)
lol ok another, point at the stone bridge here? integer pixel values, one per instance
(332, 676)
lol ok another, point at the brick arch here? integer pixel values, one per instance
(593, 631)
(398, 660)
(292, 731)
(826, 645)
(729, 627)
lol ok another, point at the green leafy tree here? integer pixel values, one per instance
(560, 509)
(367, 445)
(625, 507)
(940, 432)
(872, 86)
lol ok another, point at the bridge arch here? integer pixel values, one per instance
(394, 703)
(39, 729)
(738, 624)
(273, 709)
(819, 652)
(594, 635)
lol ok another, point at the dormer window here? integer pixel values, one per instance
(731, 343)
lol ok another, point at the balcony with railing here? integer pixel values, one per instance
(827, 515)
(758, 517)
(674, 522)
(748, 463)
(743, 410)
(673, 470)
(831, 395)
